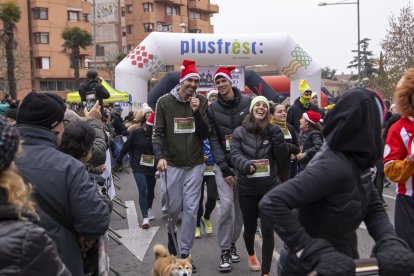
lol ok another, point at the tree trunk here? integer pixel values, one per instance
(75, 62)
(11, 81)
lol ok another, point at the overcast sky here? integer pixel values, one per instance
(327, 33)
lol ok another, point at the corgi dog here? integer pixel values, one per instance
(167, 265)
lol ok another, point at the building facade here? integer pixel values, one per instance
(42, 64)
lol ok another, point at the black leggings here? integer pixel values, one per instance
(151, 181)
(249, 205)
(210, 181)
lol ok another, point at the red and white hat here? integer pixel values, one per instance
(225, 72)
(312, 116)
(188, 70)
(150, 120)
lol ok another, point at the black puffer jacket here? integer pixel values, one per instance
(248, 145)
(25, 248)
(311, 141)
(224, 117)
(335, 193)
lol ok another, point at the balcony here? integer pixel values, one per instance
(203, 6)
(173, 20)
(173, 2)
(202, 25)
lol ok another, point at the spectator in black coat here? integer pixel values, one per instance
(118, 122)
(301, 105)
(25, 248)
(334, 194)
(93, 83)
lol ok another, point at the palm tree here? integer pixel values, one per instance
(10, 14)
(75, 39)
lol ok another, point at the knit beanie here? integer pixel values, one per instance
(146, 108)
(41, 109)
(258, 99)
(9, 143)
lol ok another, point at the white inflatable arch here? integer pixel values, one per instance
(159, 49)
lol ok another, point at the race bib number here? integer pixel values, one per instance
(229, 141)
(147, 160)
(209, 170)
(184, 125)
(262, 168)
(286, 133)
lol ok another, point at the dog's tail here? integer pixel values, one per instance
(160, 251)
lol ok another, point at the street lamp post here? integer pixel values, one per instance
(359, 38)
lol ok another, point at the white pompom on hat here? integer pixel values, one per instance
(188, 70)
(225, 72)
(211, 92)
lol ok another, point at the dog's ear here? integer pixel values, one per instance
(188, 257)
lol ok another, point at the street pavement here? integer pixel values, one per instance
(135, 257)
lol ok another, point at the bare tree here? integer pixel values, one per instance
(398, 47)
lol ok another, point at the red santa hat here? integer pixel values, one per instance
(225, 72)
(312, 116)
(188, 70)
(150, 120)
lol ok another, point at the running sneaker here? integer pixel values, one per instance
(145, 223)
(235, 258)
(151, 214)
(207, 226)
(225, 261)
(198, 233)
(253, 262)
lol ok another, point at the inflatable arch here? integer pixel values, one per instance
(159, 49)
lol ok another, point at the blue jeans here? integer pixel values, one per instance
(142, 192)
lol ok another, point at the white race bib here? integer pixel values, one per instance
(147, 160)
(184, 125)
(262, 168)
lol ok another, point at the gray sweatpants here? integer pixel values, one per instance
(230, 221)
(183, 186)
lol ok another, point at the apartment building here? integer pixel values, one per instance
(42, 64)
(46, 65)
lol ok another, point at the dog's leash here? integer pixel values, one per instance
(170, 226)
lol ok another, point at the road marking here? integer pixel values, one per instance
(392, 197)
(134, 238)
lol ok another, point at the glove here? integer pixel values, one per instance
(321, 256)
(393, 256)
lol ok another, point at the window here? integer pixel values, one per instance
(148, 27)
(197, 31)
(42, 63)
(148, 7)
(122, 11)
(124, 49)
(130, 47)
(41, 38)
(123, 31)
(100, 50)
(194, 15)
(73, 16)
(129, 9)
(86, 17)
(56, 85)
(40, 13)
(164, 28)
(171, 10)
(130, 29)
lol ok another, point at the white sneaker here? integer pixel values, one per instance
(150, 214)
(145, 223)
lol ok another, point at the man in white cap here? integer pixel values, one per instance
(180, 126)
(225, 115)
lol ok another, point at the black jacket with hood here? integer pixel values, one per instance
(224, 117)
(334, 194)
(248, 144)
(93, 85)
